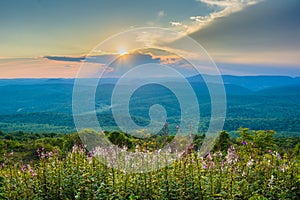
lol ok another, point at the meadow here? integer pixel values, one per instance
(252, 166)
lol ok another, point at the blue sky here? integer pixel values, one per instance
(244, 37)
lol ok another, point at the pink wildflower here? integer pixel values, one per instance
(23, 168)
(209, 156)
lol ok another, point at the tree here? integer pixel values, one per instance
(261, 140)
(120, 139)
(223, 142)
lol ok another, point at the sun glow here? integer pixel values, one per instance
(123, 52)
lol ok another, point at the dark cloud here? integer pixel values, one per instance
(263, 26)
(129, 59)
(64, 58)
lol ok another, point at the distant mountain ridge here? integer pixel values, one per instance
(253, 83)
(55, 95)
(264, 102)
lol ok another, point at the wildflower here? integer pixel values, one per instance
(222, 165)
(23, 168)
(245, 143)
(271, 181)
(74, 149)
(111, 162)
(250, 163)
(50, 154)
(209, 156)
(220, 154)
(12, 153)
(282, 168)
(38, 152)
(33, 174)
(204, 166)
(44, 155)
(89, 154)
(232, 156)
(212, 164)
(244, 174)
(278, 155)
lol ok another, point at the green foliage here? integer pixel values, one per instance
(223, 142)
(262, 140)
(296, 151)
(120, 139)
(58, 167)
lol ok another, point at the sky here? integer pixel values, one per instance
(243, 37)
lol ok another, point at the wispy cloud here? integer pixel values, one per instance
(229, 3)
(222, 8)
(175, 23)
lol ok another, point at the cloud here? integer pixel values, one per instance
(224, 8)
(64, 58)
(221, 8)
(118, 64)
(229, 3)
(227, 7)
(122, 64)
(265, 34)
(175, 23)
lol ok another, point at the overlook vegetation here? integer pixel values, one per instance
(252, 165)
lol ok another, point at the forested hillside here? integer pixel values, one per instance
(36, 105)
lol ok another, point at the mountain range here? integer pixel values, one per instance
(251, 101)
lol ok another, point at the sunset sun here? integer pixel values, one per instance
(123, 52)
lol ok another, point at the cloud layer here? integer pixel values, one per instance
(222, 8)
